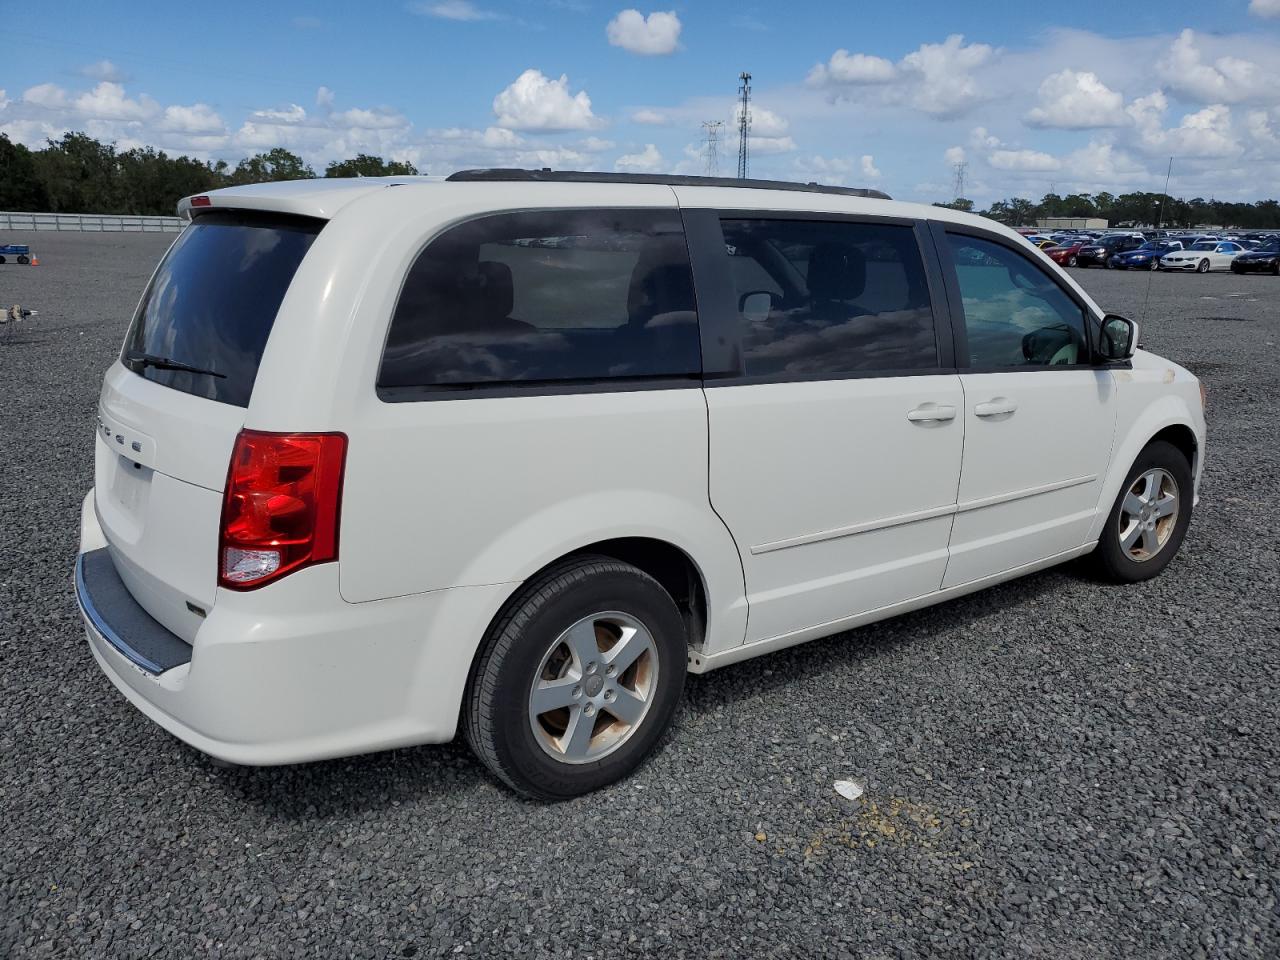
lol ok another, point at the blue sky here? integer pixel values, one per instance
(1030, 95)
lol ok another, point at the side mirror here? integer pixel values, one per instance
(1119, 338)
(755, 307)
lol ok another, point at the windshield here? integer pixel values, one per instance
(205, 318)
(1154, 246)
(1206, 245)
(1270, 246)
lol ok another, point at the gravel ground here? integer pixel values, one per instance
(1056, 768)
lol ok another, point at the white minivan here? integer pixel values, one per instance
(514, 451)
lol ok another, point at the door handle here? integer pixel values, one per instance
(927, 412)
(995, 407)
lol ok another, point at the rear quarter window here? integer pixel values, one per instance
(213, 301)
(548, 297)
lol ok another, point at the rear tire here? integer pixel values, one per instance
(1139, 539)
(555, 642)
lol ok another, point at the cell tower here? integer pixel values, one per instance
(961, 170)
(744, 122)
(711, 152)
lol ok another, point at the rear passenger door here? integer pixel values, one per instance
(834, 411)
(1039, 417)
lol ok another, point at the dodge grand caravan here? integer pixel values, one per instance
(514, 452)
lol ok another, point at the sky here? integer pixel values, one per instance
(1030, 96)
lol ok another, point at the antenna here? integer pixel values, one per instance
(961, 170)
(744, 122)
(1151, 276)
(711, 152)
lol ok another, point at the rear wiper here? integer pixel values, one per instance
(164, 363)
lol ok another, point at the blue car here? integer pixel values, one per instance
(1146, 257)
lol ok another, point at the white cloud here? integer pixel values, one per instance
(954, 155)
(771, 145)
(324, 98)
(4, 101)
(199, 118)
(460, 10)
(852, 68)
(1264, 8)
(937, 78)
(1023, 160)
(47, 95)
(868, 166)
(652, 117)
(648, 160)
(764, 123)
(655, 35)
(107, 101)
(1077, 101)
(360, 119)
(536, 102)
(946, 85)
(1227, 79)
(103, 70)
(1206, 133)
(290, 114)
(596, 145)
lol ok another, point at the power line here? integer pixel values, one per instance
(961, 169)
(744, 122)
(711, 151)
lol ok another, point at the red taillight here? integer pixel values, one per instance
(280, 508)
(201, 201)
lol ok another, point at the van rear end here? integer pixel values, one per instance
(206, 575)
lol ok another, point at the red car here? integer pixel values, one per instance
(1065, 255)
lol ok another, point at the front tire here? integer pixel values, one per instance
(1072, 261)
(578, 679)
(1202, 266)
(1149, 520)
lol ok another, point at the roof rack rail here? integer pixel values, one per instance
(547, 175)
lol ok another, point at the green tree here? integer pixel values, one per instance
(20, 185)
(80, 175)
(364, 165)
(275, 164)
(959, 203)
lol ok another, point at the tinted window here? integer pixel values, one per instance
(549, 296)
(213, 301)
(1015, 314)
(828, 297)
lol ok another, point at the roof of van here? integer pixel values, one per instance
(324, 197)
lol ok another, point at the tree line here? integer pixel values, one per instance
(1131, 209)
(79, 174)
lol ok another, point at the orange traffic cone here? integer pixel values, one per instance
(35, 261)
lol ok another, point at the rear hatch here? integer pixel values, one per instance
(173, 403)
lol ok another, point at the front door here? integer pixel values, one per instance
(1039, 417)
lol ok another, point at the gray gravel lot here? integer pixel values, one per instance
(1057, 768)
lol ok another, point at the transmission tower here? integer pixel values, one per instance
(711, 152)
(961, 170)
(744, 122)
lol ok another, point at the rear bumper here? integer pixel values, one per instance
(291, 672)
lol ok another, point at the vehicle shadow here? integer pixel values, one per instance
(416, 775)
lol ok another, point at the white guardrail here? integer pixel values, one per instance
(88, 223)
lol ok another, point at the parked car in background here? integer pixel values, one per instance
(1097, 254)
(1203, 256)
(1064, 255)
(1265, 259)
(1145, 257)
(823, 420)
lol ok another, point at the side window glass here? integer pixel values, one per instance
(550, 296)
(830, 297)
(1015, 314)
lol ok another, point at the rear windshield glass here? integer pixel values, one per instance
(213, 301)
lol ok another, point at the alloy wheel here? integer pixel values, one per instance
(1148, 514)
(594, 687)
